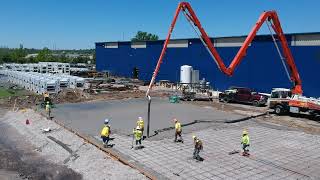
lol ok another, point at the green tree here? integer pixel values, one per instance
(144, 36)
(44, 55)
(6, 58)
(18, 55)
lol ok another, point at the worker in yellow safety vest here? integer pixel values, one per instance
(245, 141)
(105, 132)
(197, 147)
(178, 130)
(140, 123)
(46, 97)
(48, 108)
(137, 135)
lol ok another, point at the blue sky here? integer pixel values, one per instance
(75, 24)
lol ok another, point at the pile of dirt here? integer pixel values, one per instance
(74, 96)
(20, 101)
(70, 96)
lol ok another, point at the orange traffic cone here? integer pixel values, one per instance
(27, 122)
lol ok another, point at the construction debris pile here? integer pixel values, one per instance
(97, 86)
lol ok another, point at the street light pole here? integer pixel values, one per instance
(148, 125)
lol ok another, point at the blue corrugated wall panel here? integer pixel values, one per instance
(261, 69)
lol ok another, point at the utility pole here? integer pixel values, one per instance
(148, 125)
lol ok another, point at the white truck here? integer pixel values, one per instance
(283, 102)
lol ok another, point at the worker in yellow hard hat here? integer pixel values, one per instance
(46, 97)
(178, 130)
(245, 141)
(105, 133)
(137, 135)
(198, 146)
(140, 123)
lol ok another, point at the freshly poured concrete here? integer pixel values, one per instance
(277, 152)
(88, 117)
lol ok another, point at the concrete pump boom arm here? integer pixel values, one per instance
(270, 16)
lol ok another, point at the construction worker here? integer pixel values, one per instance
(105, 132)
(140, 123)
(197, 147)
(48, 108)
(177, 126)
(138, 135)
(46, 97)
(245, 141)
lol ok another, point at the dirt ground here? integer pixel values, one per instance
(72, 96)
(19, 161)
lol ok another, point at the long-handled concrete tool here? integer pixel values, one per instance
(132, 140)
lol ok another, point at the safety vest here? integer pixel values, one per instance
(140, 123)
(198, 144)
(137, 134)
(105, 131)
(178, 126)
(245, 140)
(47, 107)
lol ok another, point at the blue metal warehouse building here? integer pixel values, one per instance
(261, 69)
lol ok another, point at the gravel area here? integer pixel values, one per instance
(64, 148)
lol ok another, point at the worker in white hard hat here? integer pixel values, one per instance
(245, 141)
(140, 123)
(105, 132)
(197, 147)
(138, 135)
(178, 130)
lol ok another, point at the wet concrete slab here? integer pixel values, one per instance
(275, 154)
(88, 117)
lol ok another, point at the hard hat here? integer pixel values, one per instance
(106, 121)
(175, 120)
(194, 137)
(140, 118)
(138, 128)
(244, 132)
(47, 102)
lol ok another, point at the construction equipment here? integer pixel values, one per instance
(271, 19)
(282, 101)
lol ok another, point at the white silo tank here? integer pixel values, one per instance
(185, 74)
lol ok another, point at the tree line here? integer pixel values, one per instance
(19, 55)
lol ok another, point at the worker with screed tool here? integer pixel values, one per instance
(105, 133)
(137, 132)
(140, 123)
(197, 148)
(245, 141)
(178, 130)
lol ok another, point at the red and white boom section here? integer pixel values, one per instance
(270, 17)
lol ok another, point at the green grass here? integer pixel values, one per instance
(5, 93)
